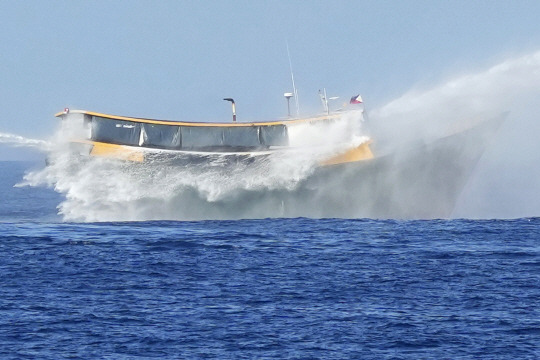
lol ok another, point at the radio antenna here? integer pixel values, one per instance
(295, 92)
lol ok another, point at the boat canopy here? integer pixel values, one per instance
(184, 137)
(176, 135)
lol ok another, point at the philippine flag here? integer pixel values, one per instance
(356, 100)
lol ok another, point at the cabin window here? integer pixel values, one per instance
(274, 135)
(245, 136)
(115, 131)
(201, 137)
(220, 137)
(161, 136)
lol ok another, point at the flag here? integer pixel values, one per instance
(357, 99)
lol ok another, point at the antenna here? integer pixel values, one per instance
(293, 85)
(324, 100)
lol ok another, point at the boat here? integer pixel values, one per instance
(150, 140)
(414, 181)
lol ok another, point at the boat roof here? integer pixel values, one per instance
(194, 123)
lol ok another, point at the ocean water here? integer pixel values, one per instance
(262, 289)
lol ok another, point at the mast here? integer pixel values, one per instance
(295, 92)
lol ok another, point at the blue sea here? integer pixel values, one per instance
(262, 289)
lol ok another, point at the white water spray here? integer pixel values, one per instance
(461, 102)
(505, 183)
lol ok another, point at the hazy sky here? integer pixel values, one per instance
(177, 59)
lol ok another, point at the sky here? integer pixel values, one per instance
(177, 60)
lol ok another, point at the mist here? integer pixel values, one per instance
(505, 182)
